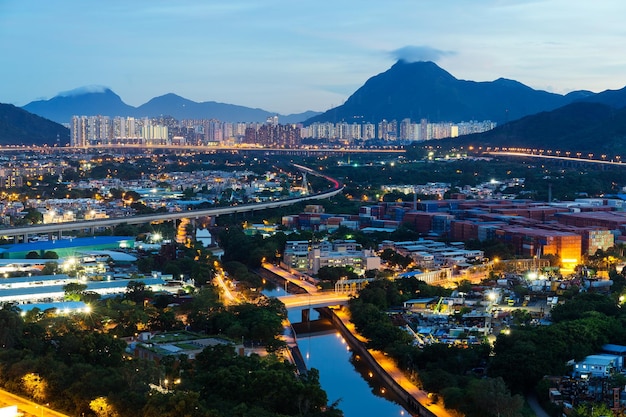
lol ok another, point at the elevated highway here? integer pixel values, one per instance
(164, 217)
(251, 148)
(293, 279)
(203, 148)
(579, 159)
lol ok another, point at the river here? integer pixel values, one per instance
(341, 375)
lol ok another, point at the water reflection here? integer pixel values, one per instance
(346, 379)
(273, 290)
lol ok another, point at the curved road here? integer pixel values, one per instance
(212, 212)
(26, 407)
(305, 285)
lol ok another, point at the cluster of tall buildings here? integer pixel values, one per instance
(104, 130)
(406, 130)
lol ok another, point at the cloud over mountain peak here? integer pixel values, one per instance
(84, 90)
(414, 53)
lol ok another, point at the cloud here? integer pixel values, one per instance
(412, 53)
(84, 90)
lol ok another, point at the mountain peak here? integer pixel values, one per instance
(423, 90)
(88, 100)
(418, 69)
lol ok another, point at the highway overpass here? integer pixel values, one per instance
(393, 150)
(588, 159)
(161, 217)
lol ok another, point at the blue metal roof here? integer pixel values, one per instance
(410, 274)
(65, 243)
(72, 305)
(119, 285)
(37, 278)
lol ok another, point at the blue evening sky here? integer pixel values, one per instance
(290, 56)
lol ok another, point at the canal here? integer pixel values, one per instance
(344, 378)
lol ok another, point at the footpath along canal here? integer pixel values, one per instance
(344, 377)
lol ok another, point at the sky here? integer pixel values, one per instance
(289, 56)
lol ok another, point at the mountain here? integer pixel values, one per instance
(87, 101)
(182, 108)
(423, 90)
(17, 126)
(613, 98)
(92, 101)
(583, 126)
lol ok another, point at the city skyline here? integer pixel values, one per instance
(290, 57)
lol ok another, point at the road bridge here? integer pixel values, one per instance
(163, 217)
(317, 300)
(310, 301)
(297, 280)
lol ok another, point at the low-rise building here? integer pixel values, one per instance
(154, 347)
(602, 365)
(309, 257)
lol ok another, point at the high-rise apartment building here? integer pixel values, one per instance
(96, 130)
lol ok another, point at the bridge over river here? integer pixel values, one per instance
(405, 391)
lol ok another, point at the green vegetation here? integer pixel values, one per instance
(514, 366)
(21, 127)
(73, 361)
(78, 363)
(365, 176)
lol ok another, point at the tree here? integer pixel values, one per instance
(49, 254)
(131, 196)
(11, 327)
(189, 193)
(393, 258)
(492, 397)
(521, 316)
(176, 404)
(35, 386)
(592, 410)
(50, 268)
(102, 407)
(116, 193)
(137, 292)
(582, 303)
(74, 291)
(335, 273)
(33, 216)
(33, 254)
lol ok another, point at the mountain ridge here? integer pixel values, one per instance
(581, 126)
(18, 126)
(422, 89)
(412, 90)
(85, 102)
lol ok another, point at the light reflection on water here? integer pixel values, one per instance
(342, 375)
(341, 380)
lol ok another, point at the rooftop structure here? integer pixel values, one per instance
(156, 346)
